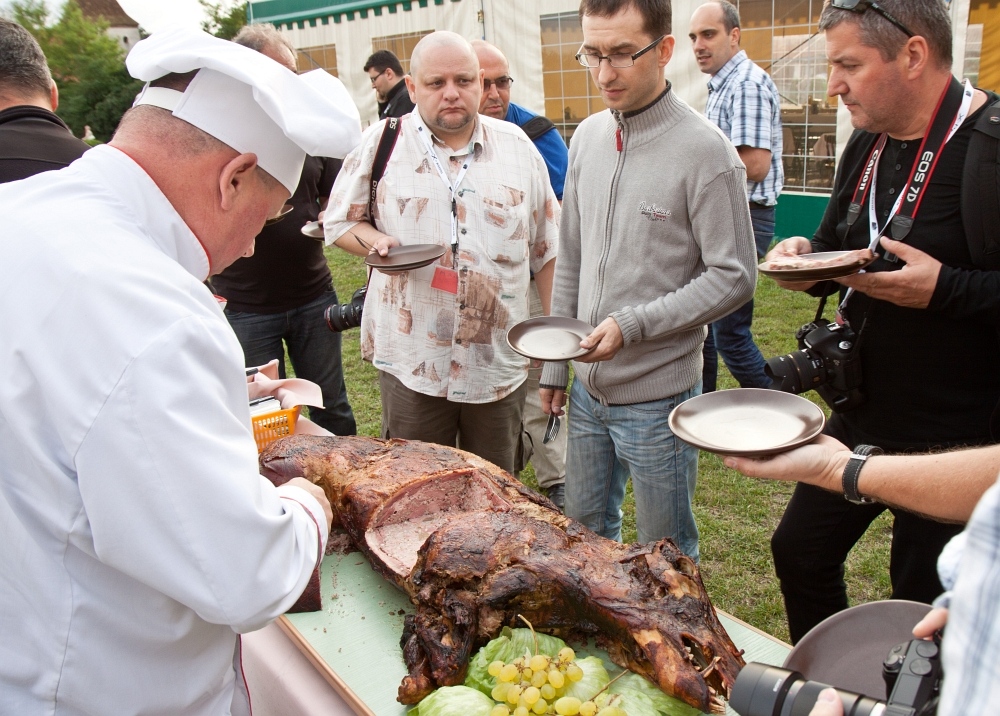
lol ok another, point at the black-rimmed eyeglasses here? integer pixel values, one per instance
(618, 59)
(375, 77)
(502, 83)
(860, 6)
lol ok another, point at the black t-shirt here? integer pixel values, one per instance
(930, 375)
(34, 140)
(287, 269)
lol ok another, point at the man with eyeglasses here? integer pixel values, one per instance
(743, 102)
(927, 311)
(655, 243)
(386, 74)
(547, 458)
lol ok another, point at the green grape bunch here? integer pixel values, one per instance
(537, 685)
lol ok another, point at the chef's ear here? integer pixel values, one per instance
(236, 178)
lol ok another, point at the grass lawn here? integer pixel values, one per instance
(736, 515)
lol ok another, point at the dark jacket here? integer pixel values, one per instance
(34, 140)
(397, 102)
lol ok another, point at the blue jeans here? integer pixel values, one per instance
(609, 443)
(730, 335)
(313, 349)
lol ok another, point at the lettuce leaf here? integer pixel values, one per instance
(454, 701)
(511, 644)
(595, 678)
(632, 684)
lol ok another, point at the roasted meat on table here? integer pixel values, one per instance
(473, 548)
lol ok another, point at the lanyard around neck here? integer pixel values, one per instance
(954, 102)
(425, 138)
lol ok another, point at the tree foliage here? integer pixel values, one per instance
(222, 22)
(95, 89)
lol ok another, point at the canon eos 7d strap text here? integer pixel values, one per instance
(950, 113)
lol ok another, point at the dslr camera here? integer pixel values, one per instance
(342, 316)
(827, 361)
(911, 671)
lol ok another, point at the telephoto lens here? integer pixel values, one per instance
(342, 316)
(764, 690)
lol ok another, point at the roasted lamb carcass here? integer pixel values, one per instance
(473, 548)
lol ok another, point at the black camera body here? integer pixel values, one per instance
(912, 673)
(346, 315)
(827, 361)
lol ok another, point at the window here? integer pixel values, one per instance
(570, 96)
(400, 45)
(322, 57)
(782, 36)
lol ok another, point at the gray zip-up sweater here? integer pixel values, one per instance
(656, 233)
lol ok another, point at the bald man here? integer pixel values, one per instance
(32, 138)
(477, 187)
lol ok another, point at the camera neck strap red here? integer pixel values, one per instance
(949, 114)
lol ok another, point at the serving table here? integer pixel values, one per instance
(346, 659)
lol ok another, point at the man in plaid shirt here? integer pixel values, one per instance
(743, 103)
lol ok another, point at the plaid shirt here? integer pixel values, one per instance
(443, 344)
(743, 103)
(972, 636)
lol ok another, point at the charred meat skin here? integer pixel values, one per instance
(473, 548)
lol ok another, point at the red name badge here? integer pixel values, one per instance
(445, 279)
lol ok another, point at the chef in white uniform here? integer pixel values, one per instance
(137, 539)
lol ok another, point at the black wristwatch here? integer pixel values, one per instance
(852, 471)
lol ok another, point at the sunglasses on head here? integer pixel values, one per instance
(502, 83)
(861, 6)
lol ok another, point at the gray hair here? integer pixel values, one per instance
(927, 18)
(730, 16)
(259, 36)
(23, 69)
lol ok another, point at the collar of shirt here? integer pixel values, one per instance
(475, 144)
(719, 78)
(138, 194)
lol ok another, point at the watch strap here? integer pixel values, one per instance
(852, 471)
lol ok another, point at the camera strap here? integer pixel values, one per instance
(954, 103)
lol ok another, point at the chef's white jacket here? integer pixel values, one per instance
(137, 538)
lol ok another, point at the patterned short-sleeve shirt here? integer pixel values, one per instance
(433, 340)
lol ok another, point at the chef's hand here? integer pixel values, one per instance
(792, 246)
(552, 400)
(827, 704)
(933, 621)
(820, 463)
(911, 287)
(608, 340)
(317, 492)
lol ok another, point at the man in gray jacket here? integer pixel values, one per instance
(655, 242)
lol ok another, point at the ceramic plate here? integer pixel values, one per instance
(552, 338)
(285, 210)
(815, 274)
(405, 258)
(847, 649)
(314, 230)
(751, 422)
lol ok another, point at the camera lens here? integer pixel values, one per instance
(762, 690)
(796, 372)
(343, 316)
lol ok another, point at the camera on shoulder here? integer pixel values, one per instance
(827, 361)
(911, 671)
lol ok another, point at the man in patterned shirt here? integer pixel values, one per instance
(743, 103)
(477, 186)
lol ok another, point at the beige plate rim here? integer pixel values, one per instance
(516, 333)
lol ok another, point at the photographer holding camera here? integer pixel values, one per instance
(955, 486)
(915, 369)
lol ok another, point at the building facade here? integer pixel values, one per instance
(541, 38)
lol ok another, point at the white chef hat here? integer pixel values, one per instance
(249, 101)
